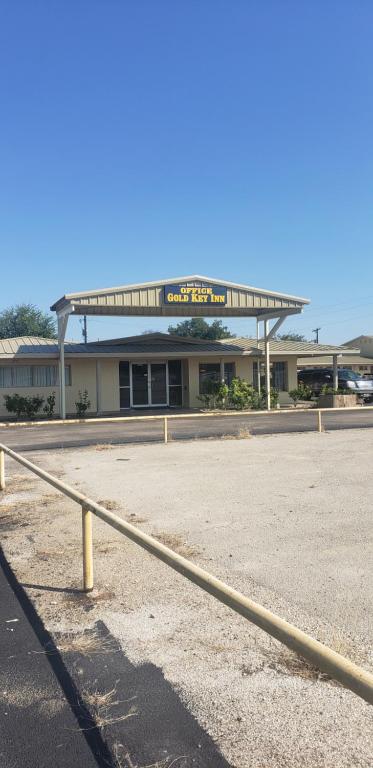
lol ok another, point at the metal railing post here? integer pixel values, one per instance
(165, 430)
(319, 421)
(87, 549)
(2, 471)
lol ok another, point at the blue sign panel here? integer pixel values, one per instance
(190, 294)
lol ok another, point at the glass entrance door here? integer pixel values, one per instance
(158, 379)
(140, 389)
(149, 384)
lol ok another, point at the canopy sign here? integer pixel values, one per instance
(189, 294)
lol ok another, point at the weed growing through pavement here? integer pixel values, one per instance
(101, 704)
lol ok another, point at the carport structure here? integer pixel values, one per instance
(181, 297)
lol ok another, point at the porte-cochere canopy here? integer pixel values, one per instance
(190, 296)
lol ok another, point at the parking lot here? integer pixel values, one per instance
(123, 432)
(285, 519)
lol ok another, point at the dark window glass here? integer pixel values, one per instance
(124, 374)
(176, 396)
(158, 383)
(279, 376)
(174, 372)
(208, 372)
(229, 372)
(140, 384)
(124, 395)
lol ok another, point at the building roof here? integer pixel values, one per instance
(159, 344)
(148, 299)
(351, 359)
(298, 348)
(358, 340)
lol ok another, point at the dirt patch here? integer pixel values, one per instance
(109, 504)
(177, 544)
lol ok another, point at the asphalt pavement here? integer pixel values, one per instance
(44, 720)
(41, 721)
(46, 437)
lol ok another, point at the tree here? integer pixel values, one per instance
(198, 328)
(291, 336)
(26, 320)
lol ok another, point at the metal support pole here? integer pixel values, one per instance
(335, 372)
(165, 430)
(319, 422)
(222, 372)
(62, 325)
(2, 471)
(258, 361)
(87, 549)
(268, 369)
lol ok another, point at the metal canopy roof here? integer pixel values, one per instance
(148, 299)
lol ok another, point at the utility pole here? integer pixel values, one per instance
(84, 329)
(316, 331)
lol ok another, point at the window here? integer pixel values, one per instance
(211, 372)
(229, 372)
(175, 389)
(279, 375)
(124, 385)
(32, 376)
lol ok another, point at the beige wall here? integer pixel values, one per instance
(108, 372)
(84, 376)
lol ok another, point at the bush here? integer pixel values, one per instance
(215, 394)
(301, 392)
(83, 404)
(23, 406)
(240, 395)
(50, 405)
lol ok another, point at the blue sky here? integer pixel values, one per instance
(146, 139)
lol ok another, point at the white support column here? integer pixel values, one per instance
(258, 359)
(98, 386)
(62, 325)
(222, 376)
(267, 361)
(335, 371)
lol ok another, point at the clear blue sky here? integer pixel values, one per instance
(144, 139)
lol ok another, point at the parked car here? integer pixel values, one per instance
(316, 378)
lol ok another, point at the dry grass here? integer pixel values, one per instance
(103, 447)
(133, 518)
(176, 543)
(87, 644)
(289, 663)
(122, 759)
(101, 704)
(242, 434)
(110, 504)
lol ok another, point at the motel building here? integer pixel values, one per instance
(157, 370)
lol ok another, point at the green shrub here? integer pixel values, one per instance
(301, 392)
(215, 394)
(83, 404)
(240, 395)
(50, 405)
(23, 406)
